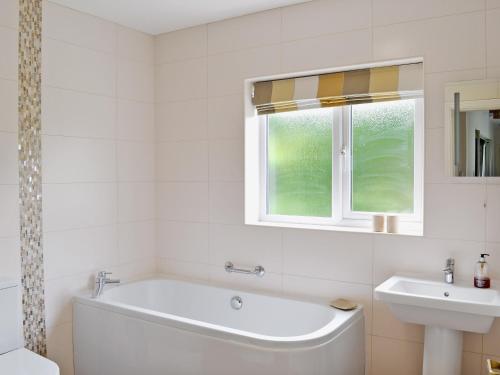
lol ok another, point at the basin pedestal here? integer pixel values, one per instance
(442, 351)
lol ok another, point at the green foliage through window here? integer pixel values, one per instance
(382, 156)
(299, 155)
(300, 159)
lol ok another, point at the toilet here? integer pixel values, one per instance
(14, 359)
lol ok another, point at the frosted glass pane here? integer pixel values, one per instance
(382, 156)
(299, 154)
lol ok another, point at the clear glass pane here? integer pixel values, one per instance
(382, 156)
(299, 155)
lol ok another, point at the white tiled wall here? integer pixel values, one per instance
(199, 158)
(9, 192)
(143, 150)
(98, 160)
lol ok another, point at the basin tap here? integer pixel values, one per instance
(449, 271)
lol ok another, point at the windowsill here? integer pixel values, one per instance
(354, 226)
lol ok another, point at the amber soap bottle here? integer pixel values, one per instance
(481, 278)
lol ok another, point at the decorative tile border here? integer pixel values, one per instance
(30, 176)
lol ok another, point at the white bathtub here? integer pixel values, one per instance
(171, 327)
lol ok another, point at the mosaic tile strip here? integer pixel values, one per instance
(30, 176)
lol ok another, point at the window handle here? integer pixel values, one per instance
(343, 152)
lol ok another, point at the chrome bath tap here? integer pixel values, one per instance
(449, 271)
(101, 281)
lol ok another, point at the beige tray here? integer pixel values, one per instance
(493, 367)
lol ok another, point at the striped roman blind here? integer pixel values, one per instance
(340, 88)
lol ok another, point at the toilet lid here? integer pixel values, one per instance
(24, 362)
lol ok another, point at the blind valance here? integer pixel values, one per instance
(340, 88)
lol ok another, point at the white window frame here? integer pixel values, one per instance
(341, 220)
(418, 168)
(342, 213)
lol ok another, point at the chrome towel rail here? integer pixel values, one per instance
(257, 271)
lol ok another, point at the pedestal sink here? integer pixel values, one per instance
(446, 310)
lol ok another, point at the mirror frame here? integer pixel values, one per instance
(474, 96)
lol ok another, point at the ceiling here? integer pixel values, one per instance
(160, 16)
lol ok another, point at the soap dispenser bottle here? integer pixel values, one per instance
(481, 278)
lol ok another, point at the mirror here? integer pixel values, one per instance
(472, 127)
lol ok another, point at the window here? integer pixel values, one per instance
(334, 165)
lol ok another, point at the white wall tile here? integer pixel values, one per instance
(330, 255)
(246, 246)
(8, 98)
(181, 121)
(181, 45)
(387, 12)
(492, 71)
(181, 80)
(270, 283)
(134, 45)
(10, 264)
(448, 43)
(182, 161)
(425, 256)
(490, 4)
(136, 241)
(70, 206)
(136, 270)
(244, 32)
(328, 290)
(493, 248)
(330, 16)
(227, 202)
(78, 28)
(491, 340)
(136, 201)
(8, 62)
(135, 121)
(77, 114)
(9, 214)
(226, 72)
(8, 158)
(9, 13)
(60, 347)
(135, 161)
(473, 342)
(471, 364)
(183, 241)
(72, 252)
(62, 60)
(389, 356)
(69, 159)
(385, 324)
(225, 117)
(353, 47)
(455, 211)
(135, 80)
(226, 160)
(190, 270)
(492, 32)
(59, 294)
(183, 201)
(493, 213)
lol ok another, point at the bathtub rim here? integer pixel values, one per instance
(340, 322)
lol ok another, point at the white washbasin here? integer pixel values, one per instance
(428, 302)
(446, 310)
